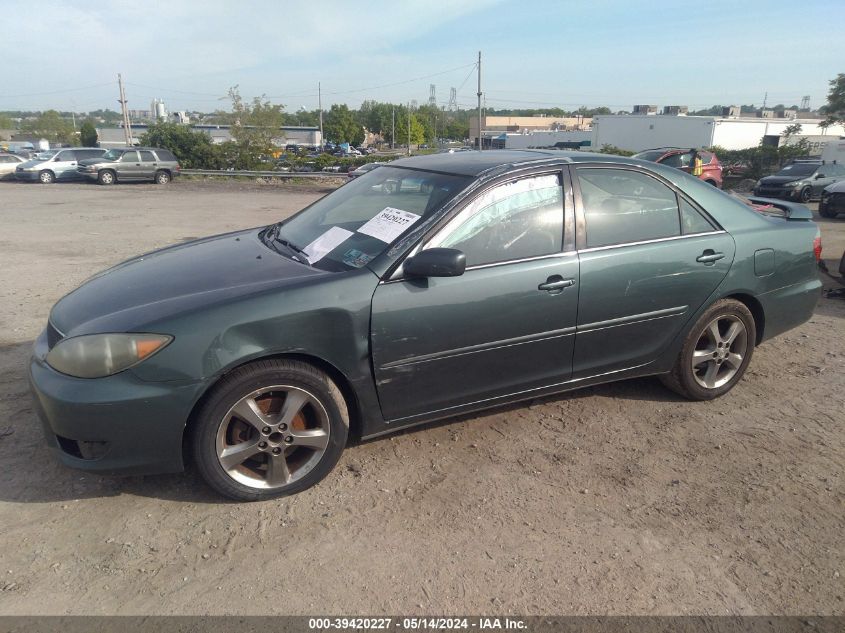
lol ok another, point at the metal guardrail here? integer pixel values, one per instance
(263, 174)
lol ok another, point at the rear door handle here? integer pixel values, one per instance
(708, 257)
(556, 283)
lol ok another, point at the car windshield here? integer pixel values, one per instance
(113, 154)
(651, 154)
(355, 224)
(798, 169)
(47, 155)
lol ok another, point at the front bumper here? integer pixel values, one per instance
(90, 175)
(781, 194)
(118, 424)
(834, 203)
(27, 176)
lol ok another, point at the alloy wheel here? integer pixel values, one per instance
(273, 437)
(719, 352)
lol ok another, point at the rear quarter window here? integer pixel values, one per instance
(164, 154)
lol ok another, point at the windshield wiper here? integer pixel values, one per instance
(273, 236)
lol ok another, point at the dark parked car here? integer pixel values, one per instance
(363, 169)
(711, 170)
(56, 164)
(832, 201)
(802, 180)
(131, 164)
(497, 277)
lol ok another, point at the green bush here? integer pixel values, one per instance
(194, 149)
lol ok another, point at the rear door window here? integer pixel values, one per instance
(147, 157)
(623, 206)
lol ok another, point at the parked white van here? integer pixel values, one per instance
(56, 164)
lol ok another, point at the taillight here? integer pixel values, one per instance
(817, 247)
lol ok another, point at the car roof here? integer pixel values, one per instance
(476, 163)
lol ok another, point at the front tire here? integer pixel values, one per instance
(716, 352)
(269, 429)
(806, 194)
(46, 177)
(106, 177)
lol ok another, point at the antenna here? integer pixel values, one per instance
(432, 99)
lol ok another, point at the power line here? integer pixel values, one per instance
(55, 92)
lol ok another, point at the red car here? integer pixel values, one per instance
(711, 172)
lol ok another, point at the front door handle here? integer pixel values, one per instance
(709, 257)
(556, 284)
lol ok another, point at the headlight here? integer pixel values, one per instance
(99, 355)
(797, 184)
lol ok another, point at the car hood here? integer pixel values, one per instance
(32, 163)
(176, 279)
(837, 187)
(781, 180)
(94, 161)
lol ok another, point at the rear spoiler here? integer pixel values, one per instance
(790, 210)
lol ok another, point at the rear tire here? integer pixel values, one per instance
(269, 429)
(716, 352)
(162, 177)
(106, 177)
(46, 177)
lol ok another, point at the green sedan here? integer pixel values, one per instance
(426, 288)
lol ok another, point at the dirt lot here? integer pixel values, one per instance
(617, 499)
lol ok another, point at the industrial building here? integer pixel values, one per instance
(636, 132)
(492, 127)
(289, 134)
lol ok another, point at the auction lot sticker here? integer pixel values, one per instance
(389, 224)
(326, 243)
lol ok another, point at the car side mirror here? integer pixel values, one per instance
(818, 176)
(436, 262)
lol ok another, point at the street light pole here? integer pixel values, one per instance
(479, 101)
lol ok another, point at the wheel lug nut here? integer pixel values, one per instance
(277, 450)
(283, 427)
(262, 445)
(266, 430)
(289, 439)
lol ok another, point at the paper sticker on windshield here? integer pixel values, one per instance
(355, 258)
(326, 243)
(389, 224)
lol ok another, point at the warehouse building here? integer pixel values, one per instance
(636, 132)
(492, 127)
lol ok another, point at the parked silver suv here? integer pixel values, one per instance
(56, 164)
(127, 164)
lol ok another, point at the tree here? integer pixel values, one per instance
(341, 126)
(256, 130)
(791, 130)
(835, 109)
(88, 134)
(194, 149)
(6, 122)
(51, 126)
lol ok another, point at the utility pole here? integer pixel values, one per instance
(320, 106)
(409, 128)
(127, 128)
(479, 101)
(393, 128)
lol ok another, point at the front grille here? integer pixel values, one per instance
(53, 335)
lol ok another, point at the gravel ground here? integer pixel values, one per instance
(619, 499)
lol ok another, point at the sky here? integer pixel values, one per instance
(66, 55)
